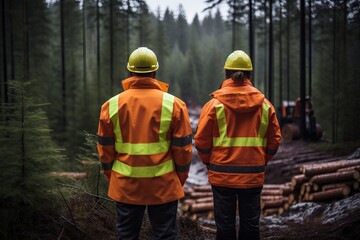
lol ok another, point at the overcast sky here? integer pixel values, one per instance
(191, 7)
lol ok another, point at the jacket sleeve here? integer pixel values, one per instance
(203, 136)
(273, 135)
(181, 140)
(106, 141)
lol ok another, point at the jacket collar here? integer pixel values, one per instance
(144, 82)
(231, 83)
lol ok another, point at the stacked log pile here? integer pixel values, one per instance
(198, 201)
(317, 182)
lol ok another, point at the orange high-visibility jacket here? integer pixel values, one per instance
(237, 134)
(144, 143)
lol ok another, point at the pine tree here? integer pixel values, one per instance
(27, 154)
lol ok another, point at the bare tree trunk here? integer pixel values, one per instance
(234, 25)
(26, 41)
(280, 57)
(128, 28)
(84, 50)
(11, 41)
(288, 50)
(251, 38)
(63, 70)
(265, 51)
(334, 89)
(98, 49)
(310, 48)
(111, 5)
(302, 69)
(5, 79)
(271, 54)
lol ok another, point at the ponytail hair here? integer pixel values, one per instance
(238, 76)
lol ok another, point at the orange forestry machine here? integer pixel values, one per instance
(290, 120)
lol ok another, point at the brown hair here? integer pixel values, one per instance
(238, 76)
(150, 74)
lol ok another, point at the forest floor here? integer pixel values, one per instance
(87, 216)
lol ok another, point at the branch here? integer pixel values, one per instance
(213, 3)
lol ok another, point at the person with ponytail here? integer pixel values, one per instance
(237, 134)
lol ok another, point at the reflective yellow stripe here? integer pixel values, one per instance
(264, 120)
(166, 115)
(225, 141)
(114, 116)
(143, 172)
(143, 148)
(240, 142)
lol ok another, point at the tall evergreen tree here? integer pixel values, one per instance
(28, 154)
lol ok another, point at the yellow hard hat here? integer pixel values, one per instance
(142, 60)
(238, 60)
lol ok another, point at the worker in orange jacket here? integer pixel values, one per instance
(144, 144)
(237, 134)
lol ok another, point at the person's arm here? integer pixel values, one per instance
(203, 136)
(181, 140)
(273, 135)
(106, 141)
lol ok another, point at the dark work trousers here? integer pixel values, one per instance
(225, 212)
(162, 219)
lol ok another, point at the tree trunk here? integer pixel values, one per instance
(335, 177)
(233, 21)
(5, 78)
(288, 50)
(302, 70)
(128, 28)
(280, 56)
(316, 169)
(111, 5)
(26, 66)
(84, 51)
(251, 38)
(329, 195)
(11, 41)
(98, 49)
(63, 71)
(310, 48)
(271, 54)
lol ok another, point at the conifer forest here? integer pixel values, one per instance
(60, 60)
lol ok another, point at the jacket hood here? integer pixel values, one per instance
(144, 82)
(239, 97)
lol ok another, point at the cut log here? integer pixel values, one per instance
(335, 177)
(337, 185)
(271, 197)
(293, 197)
(271, 211)
(201, 207)
(202, 188)
(208, 229)
(304, 188)
(272, 186)
(272, 204)
(332, 194)
(285, 190)
(200, 194)
(188, 201)
(270, 192)
(204, 200)
(298, 180)
(316, 169)
(357, 167)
